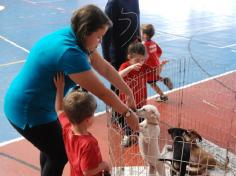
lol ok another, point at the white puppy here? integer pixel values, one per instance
(148, 139)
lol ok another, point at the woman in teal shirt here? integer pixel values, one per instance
(29, 102)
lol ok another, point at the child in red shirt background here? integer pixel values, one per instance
(76, 115)
(134, 72)
(153, 61)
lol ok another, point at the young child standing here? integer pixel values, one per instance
(134, 72)
(76, 115)
(153, 61)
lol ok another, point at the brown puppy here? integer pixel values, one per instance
(181, 152)
(200, 159)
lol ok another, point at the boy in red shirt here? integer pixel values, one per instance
(134, 72)
(153, 61)
(76, 115)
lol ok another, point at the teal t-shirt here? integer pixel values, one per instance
(30, 98)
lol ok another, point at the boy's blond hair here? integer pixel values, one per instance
(148, 29)
(79, 105)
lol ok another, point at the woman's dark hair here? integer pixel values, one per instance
(136, 48)
(87, 20)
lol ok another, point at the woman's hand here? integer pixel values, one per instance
(132, 121)
(130, 100)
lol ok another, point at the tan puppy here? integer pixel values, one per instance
(148, 139)
(198, 155)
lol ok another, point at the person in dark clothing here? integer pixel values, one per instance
(126, 28)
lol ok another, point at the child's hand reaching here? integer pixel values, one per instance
(106, 173)
(130, 68)
(105, 166)
(164, 62)
(59, 81)
(136, 66)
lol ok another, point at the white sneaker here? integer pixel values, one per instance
(162, 98)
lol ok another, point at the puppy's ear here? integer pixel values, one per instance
(183, 131)
(177, 131)
(170, 130)
(140, 112)
(195, 133)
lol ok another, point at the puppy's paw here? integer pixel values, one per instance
(169, 148)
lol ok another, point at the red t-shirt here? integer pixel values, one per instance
(136, 80)
(154, 53)
(153, 58)
(82, 151)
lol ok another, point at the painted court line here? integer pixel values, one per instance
(28, 1)
(2, 8)
(210, 104)
(11, 141)
(213, 46)
(40, 2)
(222, 47)
(14, 44)
(228, 46)
(196, 83)
(12, 63)
(183, 87)
(21, 138)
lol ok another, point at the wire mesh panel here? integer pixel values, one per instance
(206, 106)
(128, 160)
